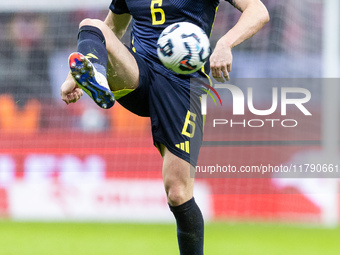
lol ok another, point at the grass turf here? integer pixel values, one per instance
(17, 238)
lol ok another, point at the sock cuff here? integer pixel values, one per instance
(92, 30)
(183, 207)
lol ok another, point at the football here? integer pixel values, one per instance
(183, 47)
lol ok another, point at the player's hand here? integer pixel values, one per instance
(221, 61)
(70, 92)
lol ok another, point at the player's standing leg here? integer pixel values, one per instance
(178, 183)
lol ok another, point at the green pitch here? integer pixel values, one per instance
(153, 239)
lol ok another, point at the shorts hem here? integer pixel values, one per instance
(177, 153)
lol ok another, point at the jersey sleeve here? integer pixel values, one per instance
(230, 1)
(119, 7)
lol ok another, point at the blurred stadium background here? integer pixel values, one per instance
(78, 163)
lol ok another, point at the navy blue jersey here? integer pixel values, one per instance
(171, 100)
(151, 17)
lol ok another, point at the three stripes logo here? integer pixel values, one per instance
(184, 146)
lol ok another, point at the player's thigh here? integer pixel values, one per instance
(177, 177)
(122, 69)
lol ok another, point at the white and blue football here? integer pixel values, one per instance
(183, 47)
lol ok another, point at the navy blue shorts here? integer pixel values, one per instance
(175, 111)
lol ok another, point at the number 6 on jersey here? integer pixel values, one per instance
(157, 14)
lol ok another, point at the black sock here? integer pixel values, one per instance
(91, 43)
(190, 228)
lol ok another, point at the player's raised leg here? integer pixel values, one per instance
(90, 80)
(178, 183)
(101, 56)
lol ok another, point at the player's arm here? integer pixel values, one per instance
(254, 16)
(118, 23)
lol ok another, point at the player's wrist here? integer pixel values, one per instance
(226, 42)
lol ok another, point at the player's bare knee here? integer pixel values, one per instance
(91, 22)
(177, 196)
